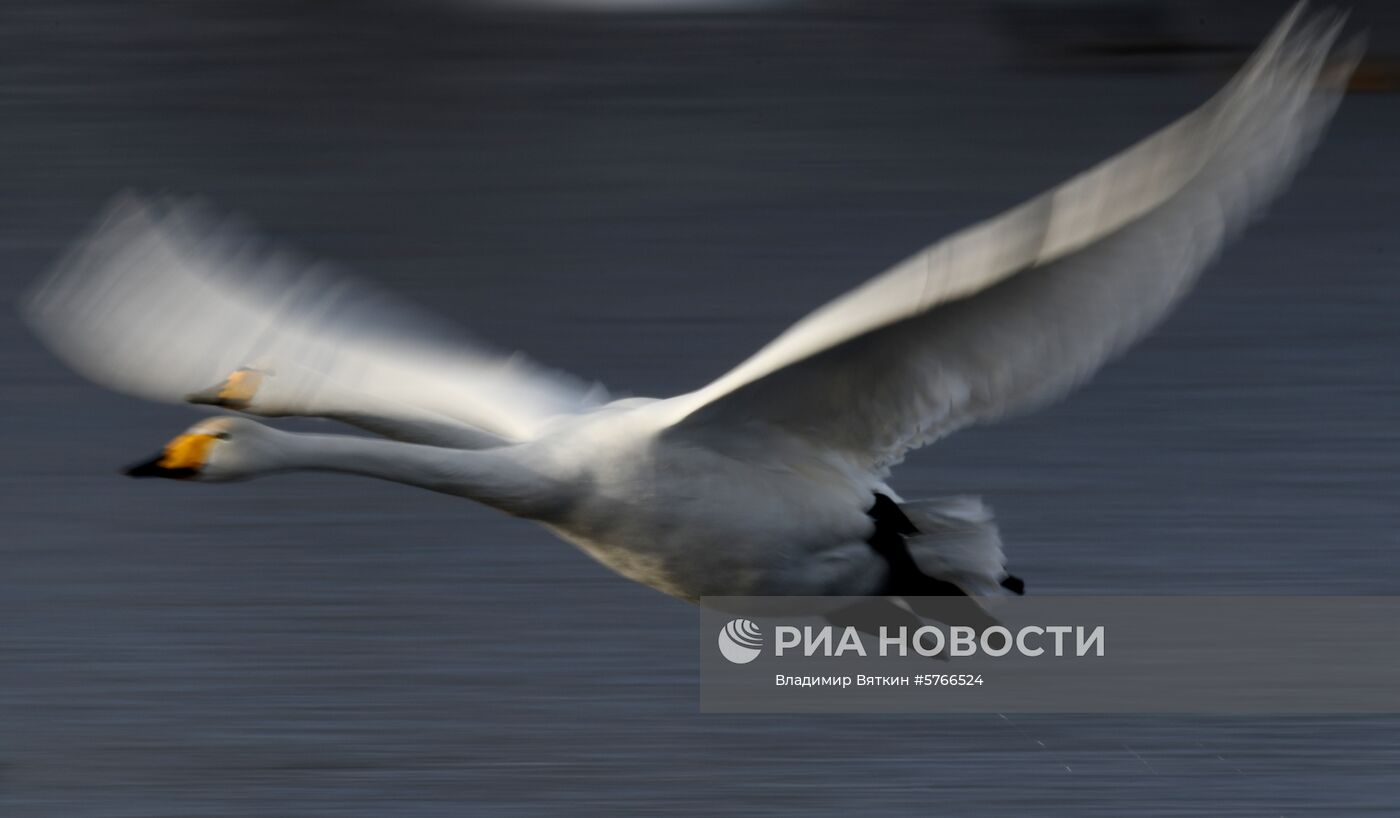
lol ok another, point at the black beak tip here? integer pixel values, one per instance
(153, 468)
(148, 468)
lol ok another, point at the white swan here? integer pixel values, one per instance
(770, 480)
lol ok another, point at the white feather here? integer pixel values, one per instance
(1012, 313)
(161, 301)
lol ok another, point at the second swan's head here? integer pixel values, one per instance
(222, 448)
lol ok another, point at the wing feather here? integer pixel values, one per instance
(160, 300)
(1014, 312)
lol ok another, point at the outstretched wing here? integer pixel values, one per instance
(160, 301)
(1014, 312)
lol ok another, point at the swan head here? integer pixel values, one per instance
(222, 448)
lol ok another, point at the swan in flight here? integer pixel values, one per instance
(771, 480)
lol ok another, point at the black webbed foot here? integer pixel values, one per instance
(928, 596)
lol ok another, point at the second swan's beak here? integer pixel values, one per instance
(181, 459)
(235, 392)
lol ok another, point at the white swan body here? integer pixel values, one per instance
(680, 518)
(770, 480)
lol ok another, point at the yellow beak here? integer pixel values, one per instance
(182, 457)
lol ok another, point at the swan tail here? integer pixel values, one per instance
(958, 542)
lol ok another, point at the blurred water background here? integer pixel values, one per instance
(645, 199)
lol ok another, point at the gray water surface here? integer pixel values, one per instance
(645, 200)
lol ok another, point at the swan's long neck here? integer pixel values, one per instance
(394, 420)
(505, 477)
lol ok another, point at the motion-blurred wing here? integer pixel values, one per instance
(1012, 313)
(161, 301)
